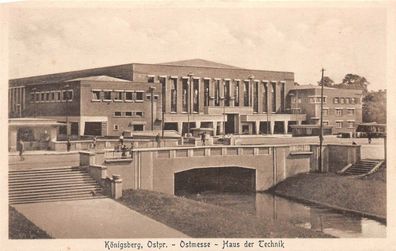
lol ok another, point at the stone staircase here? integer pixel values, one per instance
(51, 184)
(363, 167)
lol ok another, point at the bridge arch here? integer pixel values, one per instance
(215, 179)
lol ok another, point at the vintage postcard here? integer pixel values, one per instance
(170, 125)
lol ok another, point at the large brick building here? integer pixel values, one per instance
(182, 95)
(342, 108)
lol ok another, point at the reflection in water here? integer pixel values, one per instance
(271, 207)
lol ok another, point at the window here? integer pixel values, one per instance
(336, 100)
(67, 95)
(352, 100)
(342, 100)
(325, 112)
(57, 96)
(311, 100)
(325, 123)
(42, 98)
(299, 100)
(138, 127)
(150, 79)
(107, 95)
(217, 92)
(118, 95)
(245, 93)
(265, 99)
(52, 96)
(128, 114)
(115, 127)
(351, 124)
(32, 97)
(139, 96)
(273, 91)
(117, 114)
(338, 124)
(227, 94)
(173, 94)
(156, 97)
(338, 112)
(95, 95)
(195, 95)
(185, 95)
(351, 111)
(139, 114)
(47, 96)
(148, 97)
(206, 92)
(346, 100)
(255, 95)
(128, 96)
(236, 92)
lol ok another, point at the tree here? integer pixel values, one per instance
(374, 107)
(354, 81)
(328, 82)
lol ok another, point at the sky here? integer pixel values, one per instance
(255, 35)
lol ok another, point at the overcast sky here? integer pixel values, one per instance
(258, 36)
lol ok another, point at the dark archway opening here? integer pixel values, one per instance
(217, 179)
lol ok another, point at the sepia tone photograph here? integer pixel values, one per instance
(204, 125)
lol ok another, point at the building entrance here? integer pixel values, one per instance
(230, 124)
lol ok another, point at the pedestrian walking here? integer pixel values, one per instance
(369, 136)
(68, 144)
(158, 140)
(21, 149)
(94, 142)
(122, 139)
(203, 138)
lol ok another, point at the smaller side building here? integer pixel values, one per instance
(342, 108)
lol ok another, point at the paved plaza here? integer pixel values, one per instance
(97, 218)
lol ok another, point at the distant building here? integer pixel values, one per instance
(342, 108)
(178, 96)
(190, 94)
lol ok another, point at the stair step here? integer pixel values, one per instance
(29, 190)
(69, 198)
(46, 174)
(38, 178)
(54, 169)
(55, 194)
(52, 183)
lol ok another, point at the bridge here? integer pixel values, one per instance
(160, 169)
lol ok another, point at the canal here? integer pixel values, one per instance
(268, 207)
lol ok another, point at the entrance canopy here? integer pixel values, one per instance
(39, 132)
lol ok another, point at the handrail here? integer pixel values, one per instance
(343, 170)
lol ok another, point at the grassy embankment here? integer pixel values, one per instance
(366, 196)
(201, 220)
(22, 228)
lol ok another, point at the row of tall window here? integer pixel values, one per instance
(51, 96)
(129, 114)
(117, 95)
(341, 124)
(317, 100)
(222, 91)
(345, 100)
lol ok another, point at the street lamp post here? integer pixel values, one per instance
(224, 114)
(163, 109)
(321, 124)
(251, 77)
(66, 91)
(152, 88)
(190, 75)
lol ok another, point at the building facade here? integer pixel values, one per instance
(342, 108)
(177, 96)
